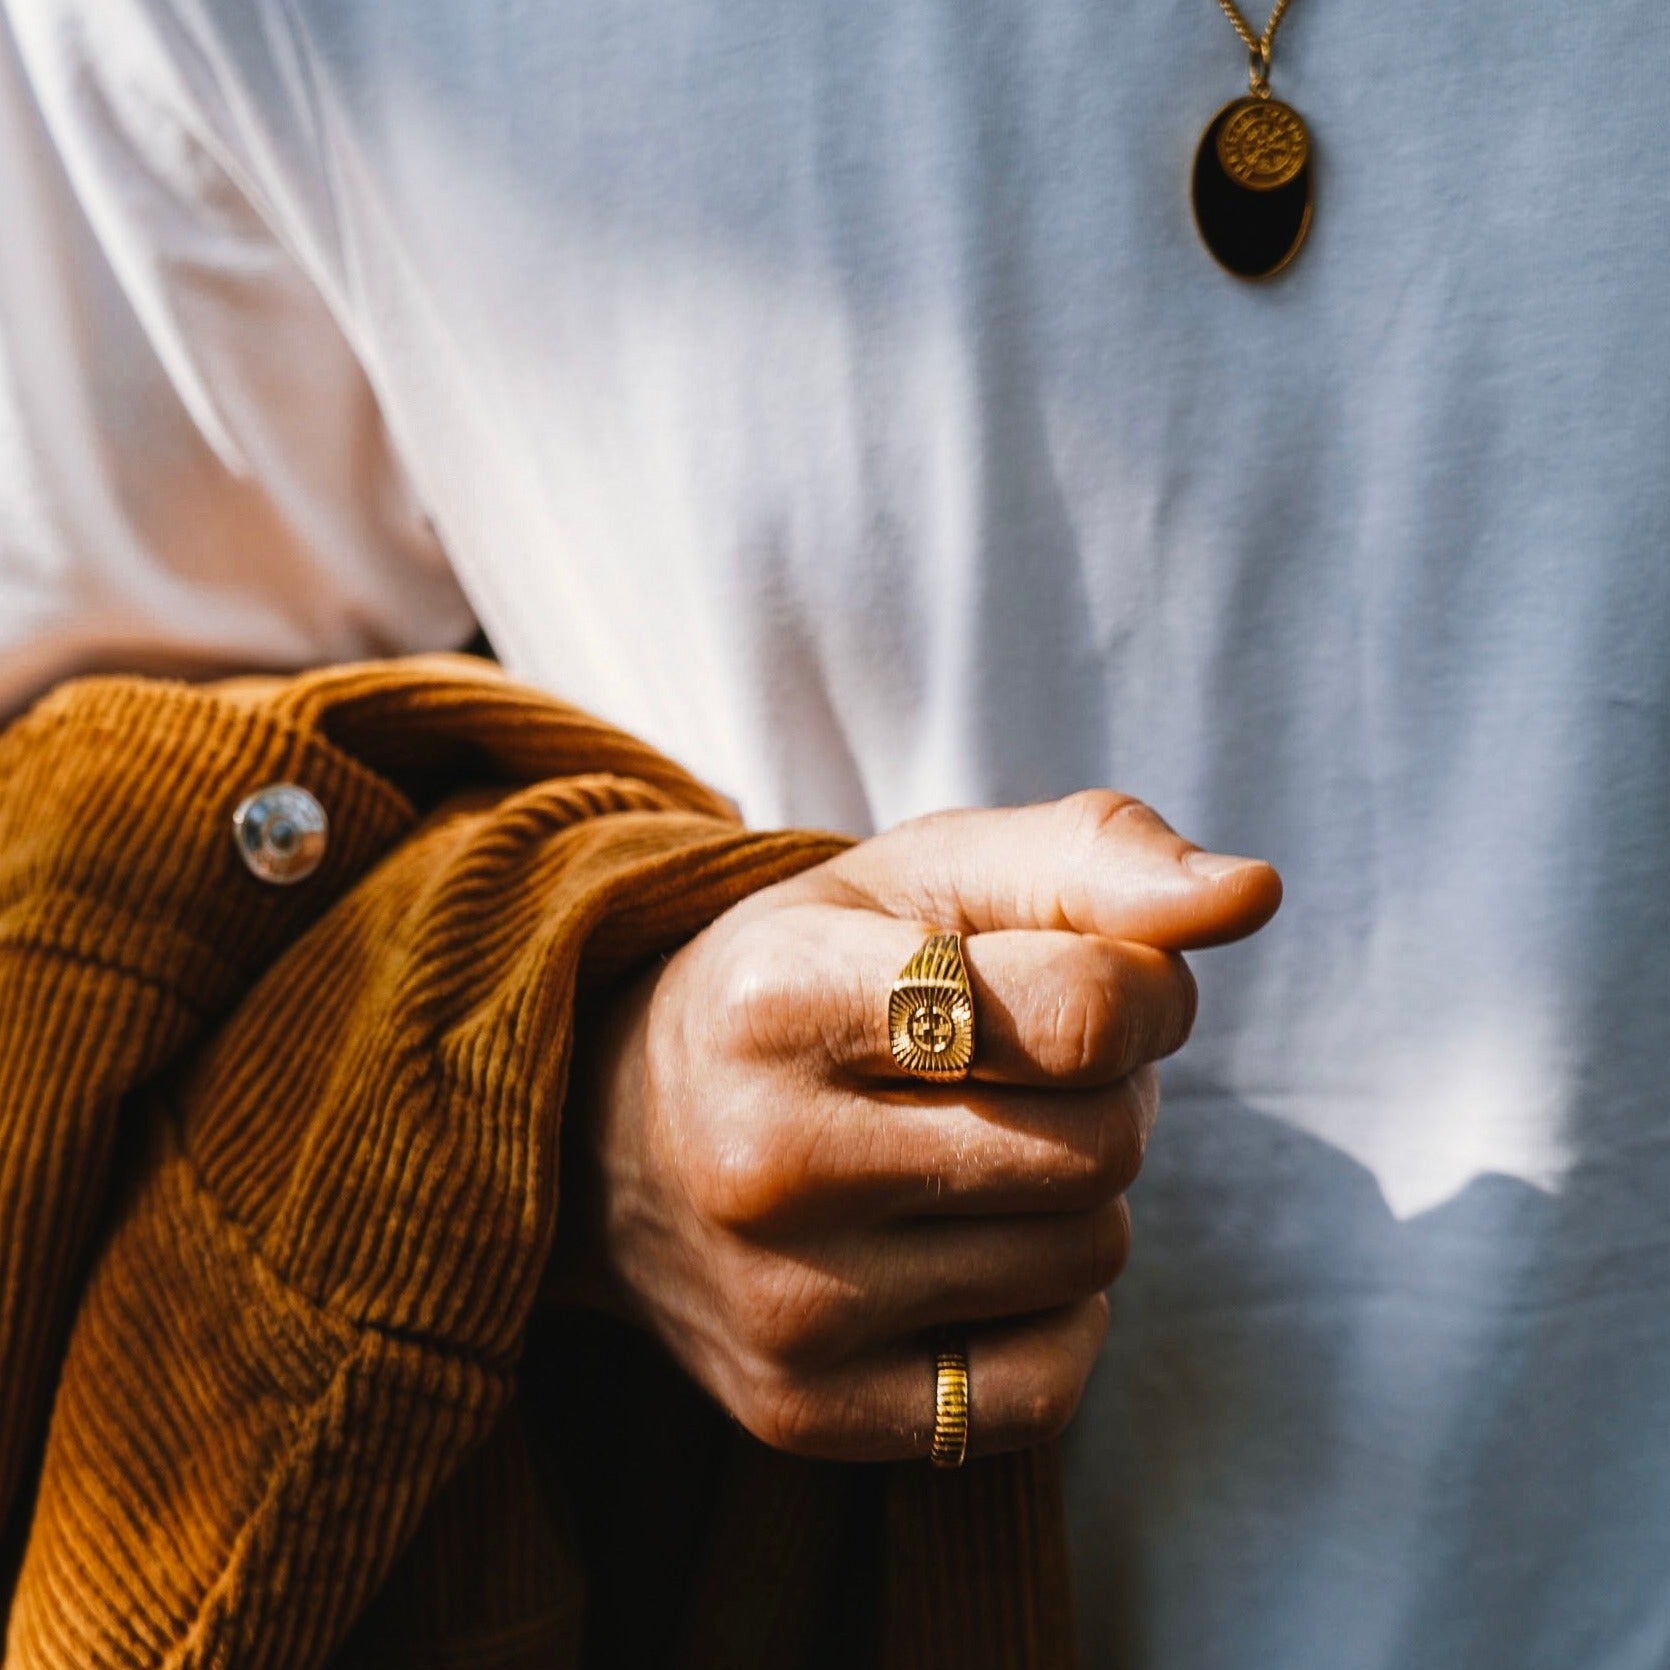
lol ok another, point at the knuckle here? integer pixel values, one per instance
(1098, 1161)
(745, 1181)
(917, 846)
(1062, 1373)
(767, 1309)
(768, 1165)
(1098, 814)
(1142, 1094)
(1052, 1404)
(1170, 1017)
(1090, 1030)
(1110, 1246)
(1189, 1008)
(805, 1416)
(787, 1414)
(1121, 1141)
(796, 1314)
(1102, 1316)
(759, 992)
(931, 825)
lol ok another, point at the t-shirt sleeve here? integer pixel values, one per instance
(195, 475)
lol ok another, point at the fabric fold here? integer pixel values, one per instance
(279, 1178)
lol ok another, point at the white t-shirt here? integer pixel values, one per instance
(837, 396)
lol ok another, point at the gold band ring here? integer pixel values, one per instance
(950, 1441)
(930, 1014)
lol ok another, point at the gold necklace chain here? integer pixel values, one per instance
(1258, 46)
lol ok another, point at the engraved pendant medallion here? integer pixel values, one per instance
(1252, 186)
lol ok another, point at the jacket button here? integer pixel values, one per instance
(281, 832)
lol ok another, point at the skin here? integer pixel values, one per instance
(794, 1218)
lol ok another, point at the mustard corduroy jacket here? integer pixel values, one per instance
(279, 1181)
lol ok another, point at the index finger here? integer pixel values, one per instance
(1093, 863)
(1051, 1009)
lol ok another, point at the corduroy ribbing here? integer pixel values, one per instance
(291, 1363)
(127, 926)
(978, 1573)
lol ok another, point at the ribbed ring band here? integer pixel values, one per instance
(950, 1442)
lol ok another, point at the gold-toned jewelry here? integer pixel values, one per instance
(950, 1441)
(930, 1012)
(1252, 171)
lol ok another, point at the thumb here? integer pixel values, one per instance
(1095, 863)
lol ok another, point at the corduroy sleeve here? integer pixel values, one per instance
(279, 1184)
(337, 1106)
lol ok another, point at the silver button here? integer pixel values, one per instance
(281, 832)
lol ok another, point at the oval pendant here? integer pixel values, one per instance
(1252, 186)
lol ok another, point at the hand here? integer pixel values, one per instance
(793, 1217)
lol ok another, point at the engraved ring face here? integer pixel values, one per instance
(1263, 144)
(930, 1012)
(931, 1027)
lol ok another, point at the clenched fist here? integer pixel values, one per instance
(794, 1218)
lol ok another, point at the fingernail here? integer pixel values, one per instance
(1215, 864)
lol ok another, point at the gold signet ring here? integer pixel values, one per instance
(950, 1441)
(930, 1016)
